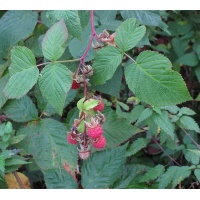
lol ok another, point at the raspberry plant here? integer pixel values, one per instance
(93, 104)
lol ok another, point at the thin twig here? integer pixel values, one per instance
(59, 61)
(130, 57)
(18, 180)
(166, 152)
(198, 146)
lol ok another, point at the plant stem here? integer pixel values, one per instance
(130, 57)
(59, 61)
(18, 180)
(166, 152)
(198, 146)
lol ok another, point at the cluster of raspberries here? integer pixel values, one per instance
(93, 133)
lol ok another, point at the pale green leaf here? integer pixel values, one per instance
(154, 82)
(53, 43)
(84, 16)
(71, 19)
(3, 82)
(89, 104)
(8, 128)
(16, 139)
(16, 25)
(2, 164)
(102, 168)
(54, 84)
(105, 64)
(23, 71)
(129, 34)
(15, 160)
(46, 141)
(146, 113)
(164, 123)
(21, 110)
(59, 179)
(192, 157)
(153, 173)
(189, 123)
(137, 145)
(186, 111)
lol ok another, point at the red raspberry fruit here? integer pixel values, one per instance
(100, 143)
(99, 107)
(95, 132)
(71, 140)
(75, 85)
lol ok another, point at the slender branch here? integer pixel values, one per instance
(166, 152)
(198, 146)
(18, 180)
(59, 61)
(94, 34)
(130, 57)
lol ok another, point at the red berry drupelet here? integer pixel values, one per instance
(100, 143)
(96, 131)
(75, 85)
(71, 140)
(99, 107)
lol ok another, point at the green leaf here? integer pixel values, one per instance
(71, 19)
(192, 157)
(21, 110)
(180, 175)
(77, 47)
(59, 179)
(16, 139)
(117, 130)
(3, 184)
(197, 152)
(23, 72)
(135, 113)
(197, 174)
(145, 17)
(105, 64)
(16, 25)
(15, 160)
(164, 123)
(186, 111)
(46, 141)
(188, 59)
(129, 34)
(137, 145)
(3, 82)
(153, 81)
(153, 173)
(53, 43)
(54, 84)
(84, 16)
(112, 86)
(197, 73)
(146, 113)
(8, 128)
(2, 127)
(179, 46)
(2, 165)
(189, 123)
(89, 104)
(101, 169)
(106, 15)
(80, 104)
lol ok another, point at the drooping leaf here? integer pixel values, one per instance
(145, 17)
(21, 110)
(53, 43)
(54, 84)
(100, 171)
(16, 25)
(59, 179)
(105, 64)
(46, 141)
(23, 73)
(117, 130)
(71, 19)
(164, 123)
(129, 34)
(137, 145)
(3, 82)
(153, 173)
(154, 82)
